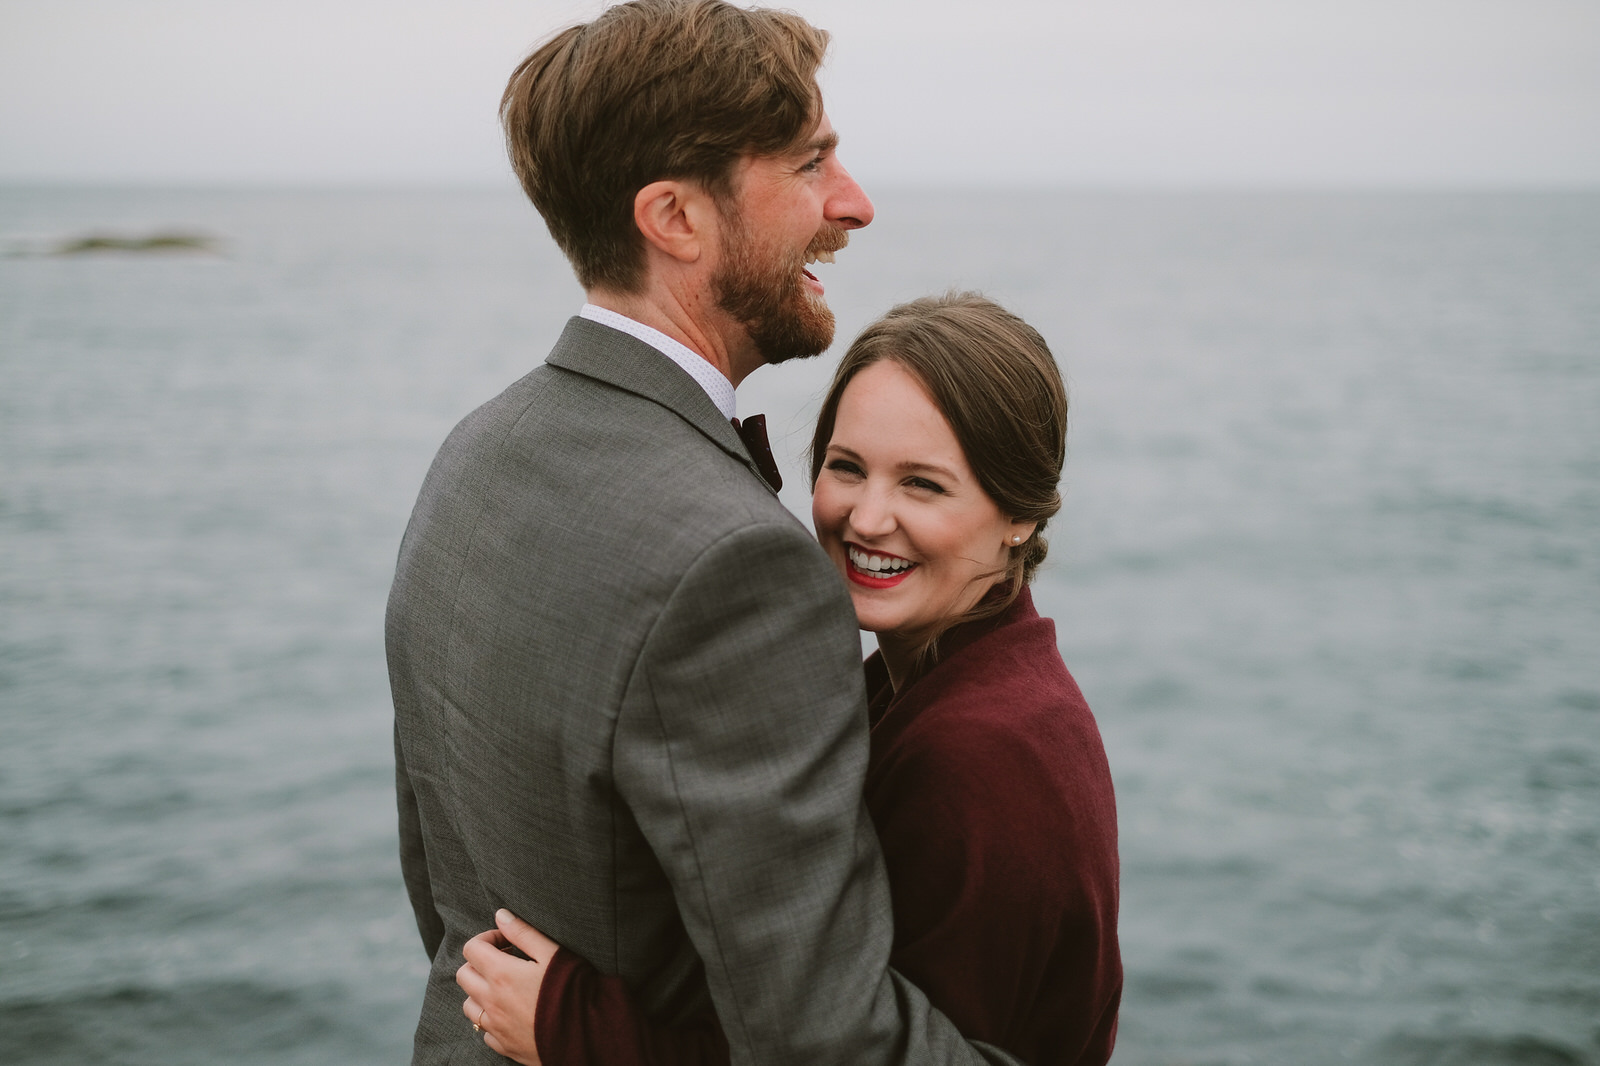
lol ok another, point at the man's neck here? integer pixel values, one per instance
(697, 324)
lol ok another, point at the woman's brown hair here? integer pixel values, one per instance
(993, 378)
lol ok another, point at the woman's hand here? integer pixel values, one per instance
(503, 990)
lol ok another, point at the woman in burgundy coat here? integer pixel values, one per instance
(934, 470)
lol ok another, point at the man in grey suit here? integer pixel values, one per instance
(628, 696)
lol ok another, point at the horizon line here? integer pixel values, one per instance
(1067, 185)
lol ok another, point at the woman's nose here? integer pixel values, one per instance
(872, 516)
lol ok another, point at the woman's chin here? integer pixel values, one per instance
(870, 621)
(869, 614)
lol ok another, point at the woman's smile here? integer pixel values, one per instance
(876, 570)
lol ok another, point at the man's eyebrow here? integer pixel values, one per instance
(823, 145)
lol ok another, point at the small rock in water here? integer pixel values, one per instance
(155, 242)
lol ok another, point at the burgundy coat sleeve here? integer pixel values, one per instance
(993, 800)
(1012, 948)
(585, 1016)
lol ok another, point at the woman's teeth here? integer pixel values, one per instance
(887, 565)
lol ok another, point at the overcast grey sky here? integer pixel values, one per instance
(1165, 92)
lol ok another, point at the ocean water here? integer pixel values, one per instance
(1328, 572)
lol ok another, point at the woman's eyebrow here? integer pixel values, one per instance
(928, 468)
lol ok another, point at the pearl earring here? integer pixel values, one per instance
(1016, 538)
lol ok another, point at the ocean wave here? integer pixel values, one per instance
(1468, 1049)
(199, 1022)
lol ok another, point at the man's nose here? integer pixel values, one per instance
(848, 206)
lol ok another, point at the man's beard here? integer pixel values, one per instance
(763, 290)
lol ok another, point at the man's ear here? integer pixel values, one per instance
(676, 217)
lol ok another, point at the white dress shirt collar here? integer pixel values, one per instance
(708, 377)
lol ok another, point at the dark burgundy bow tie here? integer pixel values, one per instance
(753, 431)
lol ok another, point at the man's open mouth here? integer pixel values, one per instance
(815, 256)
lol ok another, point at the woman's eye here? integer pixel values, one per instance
(926, 485)
(844, 466)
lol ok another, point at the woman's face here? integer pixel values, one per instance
(900, 512)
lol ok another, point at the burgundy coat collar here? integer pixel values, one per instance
(881, 696)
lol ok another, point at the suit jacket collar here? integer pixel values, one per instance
(627, 363)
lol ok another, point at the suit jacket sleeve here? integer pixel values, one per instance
(741, 751)
(413, 857)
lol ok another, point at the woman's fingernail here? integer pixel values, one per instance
(502, 915)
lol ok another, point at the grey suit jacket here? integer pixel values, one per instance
(629, 707)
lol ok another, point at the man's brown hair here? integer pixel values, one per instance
(653, 90)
